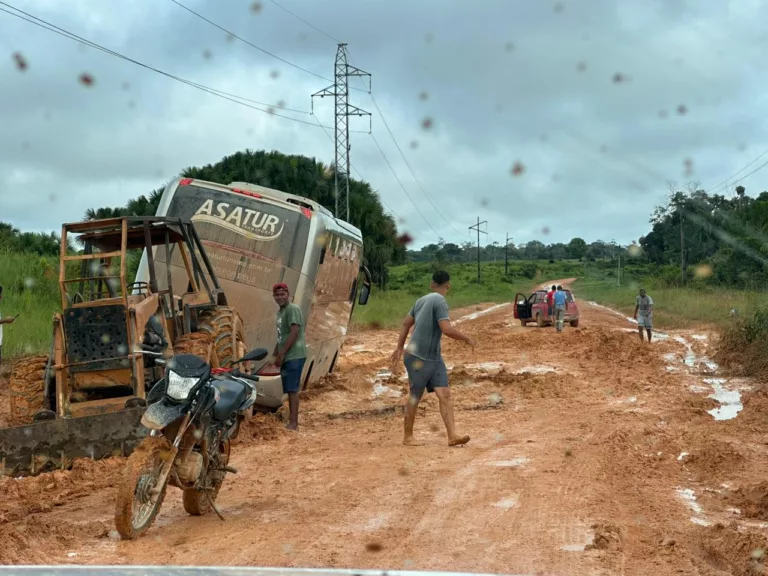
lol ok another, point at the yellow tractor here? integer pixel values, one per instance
(86, 397)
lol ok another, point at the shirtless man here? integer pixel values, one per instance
(423, 359)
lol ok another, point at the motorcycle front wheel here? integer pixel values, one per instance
(197, 503)
(137, 505)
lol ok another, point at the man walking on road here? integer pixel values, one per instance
(291, 350)
(423, 359)
(560, 303)
(644, 314)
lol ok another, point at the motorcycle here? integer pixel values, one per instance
(193, 413)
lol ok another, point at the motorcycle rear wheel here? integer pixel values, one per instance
(135, 510)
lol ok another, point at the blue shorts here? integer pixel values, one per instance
(425, 374)
(290, 374)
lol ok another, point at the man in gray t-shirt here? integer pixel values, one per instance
(423, 359)
(644, 313)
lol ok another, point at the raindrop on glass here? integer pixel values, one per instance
(21, 62)
(517, 168)
(86, 79)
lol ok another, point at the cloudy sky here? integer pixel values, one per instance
(600, 102)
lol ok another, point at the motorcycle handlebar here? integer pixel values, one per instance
(239, 374)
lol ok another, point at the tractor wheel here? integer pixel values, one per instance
(199, 345)
(575, 323)
(225, 327)
(27, 389)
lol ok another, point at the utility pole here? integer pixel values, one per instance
(342, 111)
(477, 227)
(506, 256)
(682, 250)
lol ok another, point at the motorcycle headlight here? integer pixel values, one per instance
(178, 386)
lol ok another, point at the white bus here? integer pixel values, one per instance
(255, 237)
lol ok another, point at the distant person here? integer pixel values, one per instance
(291, 350)
(644, 313)
(10, 320)
(551, 303)
(560, 299)
(423, 358)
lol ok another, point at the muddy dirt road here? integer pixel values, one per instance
(590, 454)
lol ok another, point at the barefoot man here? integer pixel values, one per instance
(291, 350)
(644, 314)
(423, 359)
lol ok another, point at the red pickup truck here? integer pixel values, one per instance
(534, 309)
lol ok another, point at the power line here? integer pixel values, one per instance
(221, 94)
(401, 185)
(356, 170)
(418, 182)
(251, 44)
(299, 18)
(738, 172)
(408, 165)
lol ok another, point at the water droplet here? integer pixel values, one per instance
(20, 61)
(423, 96)
(257, 7)
(509, 46)
(618, 78)
(517, 168)
(581, 66)
(703, 271)
(414, 144)
(86, 79)
(682, 109)
(429, 38)
(427, 123)
(281, 104)
(558, 7)
(207, 54)
(663, 114)
(126, 86)
(545, 230)
(274, 74)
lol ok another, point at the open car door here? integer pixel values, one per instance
(522, 309)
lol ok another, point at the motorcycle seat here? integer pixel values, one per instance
(232, 395)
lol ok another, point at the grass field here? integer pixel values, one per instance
(673, 307)
(31, 290)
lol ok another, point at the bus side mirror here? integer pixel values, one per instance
(365, 292)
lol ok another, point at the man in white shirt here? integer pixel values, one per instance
(3, 321)
(644, 313)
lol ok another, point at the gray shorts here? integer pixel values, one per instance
(645, 321)
(425, 374)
